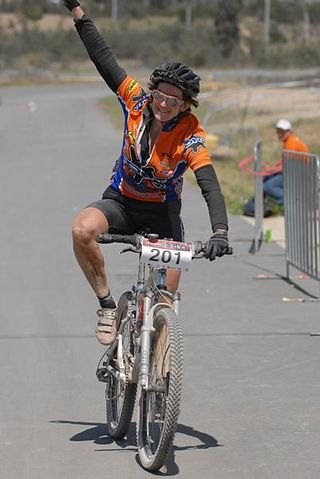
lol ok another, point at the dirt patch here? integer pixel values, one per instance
(252, 107)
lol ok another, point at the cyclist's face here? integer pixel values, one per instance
(167, 102)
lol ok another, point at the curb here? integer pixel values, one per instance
(273, 228)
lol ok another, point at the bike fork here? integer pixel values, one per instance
(147, 329)
(145, 342)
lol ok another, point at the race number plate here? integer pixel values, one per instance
(166, 254)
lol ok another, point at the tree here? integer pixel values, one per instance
(33, 9)
(226, 21)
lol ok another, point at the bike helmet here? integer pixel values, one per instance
(179, 75)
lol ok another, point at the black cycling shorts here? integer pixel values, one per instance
(127, 216)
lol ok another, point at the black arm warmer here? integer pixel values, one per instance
(211, 191)
(100, 53)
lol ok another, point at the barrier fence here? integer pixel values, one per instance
(301, 174)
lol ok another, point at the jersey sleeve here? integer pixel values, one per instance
(195, 151)
(132, 95)
(211, 191)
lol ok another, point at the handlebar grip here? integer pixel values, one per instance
(106, 238)
(200, 247)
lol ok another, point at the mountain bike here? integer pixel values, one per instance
(148, 350)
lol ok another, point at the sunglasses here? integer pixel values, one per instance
(171, 101)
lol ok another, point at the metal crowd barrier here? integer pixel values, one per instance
(301, 174)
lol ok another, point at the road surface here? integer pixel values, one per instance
(251, 384)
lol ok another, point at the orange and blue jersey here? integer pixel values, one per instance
(155, 175)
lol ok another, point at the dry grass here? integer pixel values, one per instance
(241, 115)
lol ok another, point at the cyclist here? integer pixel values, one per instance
(162, 138)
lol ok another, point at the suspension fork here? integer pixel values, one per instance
(158, 277)
(148, 317)
(146, 332)
(176, 298)
(145, 340)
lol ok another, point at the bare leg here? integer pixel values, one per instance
(88, 225)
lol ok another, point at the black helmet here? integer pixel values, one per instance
(179, 75)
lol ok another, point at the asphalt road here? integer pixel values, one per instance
(250, 406)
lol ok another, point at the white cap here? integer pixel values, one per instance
(283, 125)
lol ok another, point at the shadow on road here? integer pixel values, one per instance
(97, 433)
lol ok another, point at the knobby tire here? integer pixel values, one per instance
(119, 408)
(160, 404)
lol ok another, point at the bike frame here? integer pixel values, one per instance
(146, 291)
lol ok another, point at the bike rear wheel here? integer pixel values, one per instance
(160, 404)
(120, 396)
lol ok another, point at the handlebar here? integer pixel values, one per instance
(199, 247)
(134, 240)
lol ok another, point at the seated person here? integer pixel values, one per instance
(273, 176)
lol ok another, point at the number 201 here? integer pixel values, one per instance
(165, 256)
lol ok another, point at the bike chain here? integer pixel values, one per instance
(123, 386)
(131, 310)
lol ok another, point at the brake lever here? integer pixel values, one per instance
(199, 255)
(129, 249)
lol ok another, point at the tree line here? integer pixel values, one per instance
(199, 32)
(281, 11)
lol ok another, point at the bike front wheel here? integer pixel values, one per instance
(120, 395)
(160, 402)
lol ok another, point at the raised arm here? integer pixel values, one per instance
(74, 7)
(97, 48)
